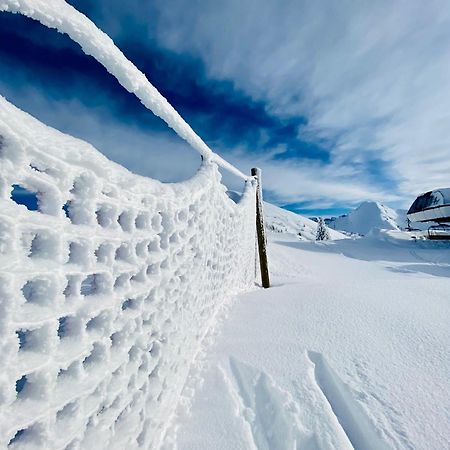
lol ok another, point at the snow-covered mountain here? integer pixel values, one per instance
(279, 220)
(366, 216)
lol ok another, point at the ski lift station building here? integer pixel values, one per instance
(432, 206)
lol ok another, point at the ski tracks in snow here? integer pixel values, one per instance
(270, 412)
(321, 413)
(351, 417)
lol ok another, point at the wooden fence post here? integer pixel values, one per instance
(260, 230)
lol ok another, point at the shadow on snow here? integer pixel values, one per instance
(401, 255)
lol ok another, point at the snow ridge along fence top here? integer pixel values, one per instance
(94, 42)
(108, 280)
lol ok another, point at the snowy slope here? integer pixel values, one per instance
(282, 221)
(401, 218)
(348, 350)
(366, 216)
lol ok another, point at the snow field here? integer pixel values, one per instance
(347, 350)
(106, 289)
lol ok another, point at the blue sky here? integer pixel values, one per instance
(337, 102)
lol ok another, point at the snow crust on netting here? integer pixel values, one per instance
(106, 289)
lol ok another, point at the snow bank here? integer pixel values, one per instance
(106, 289)
(66, 19)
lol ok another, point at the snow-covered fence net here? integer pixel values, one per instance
(106, 288)
(108, 280)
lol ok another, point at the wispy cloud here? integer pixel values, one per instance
(371, 78)
(337, 102)
(150, 152)
(313, 182)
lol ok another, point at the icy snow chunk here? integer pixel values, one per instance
(157, 223)
(122, 281)
(22, 335)
(68, 412)
(141, 249)
(97, 355)
(30, 437)
(154, 245)
(99, 324)
(73, 286)
(124, 253)
(96, 283)
(74, 371)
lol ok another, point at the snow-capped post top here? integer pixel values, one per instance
(94, 42)
(260, 230)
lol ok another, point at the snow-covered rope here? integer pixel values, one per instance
(94, 42)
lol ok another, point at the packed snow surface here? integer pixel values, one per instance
(108, 282)
(367, 216)
(347, 350)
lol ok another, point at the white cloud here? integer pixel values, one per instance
(160, 155)
(291, 181)
(372, 77)
(168, 158)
